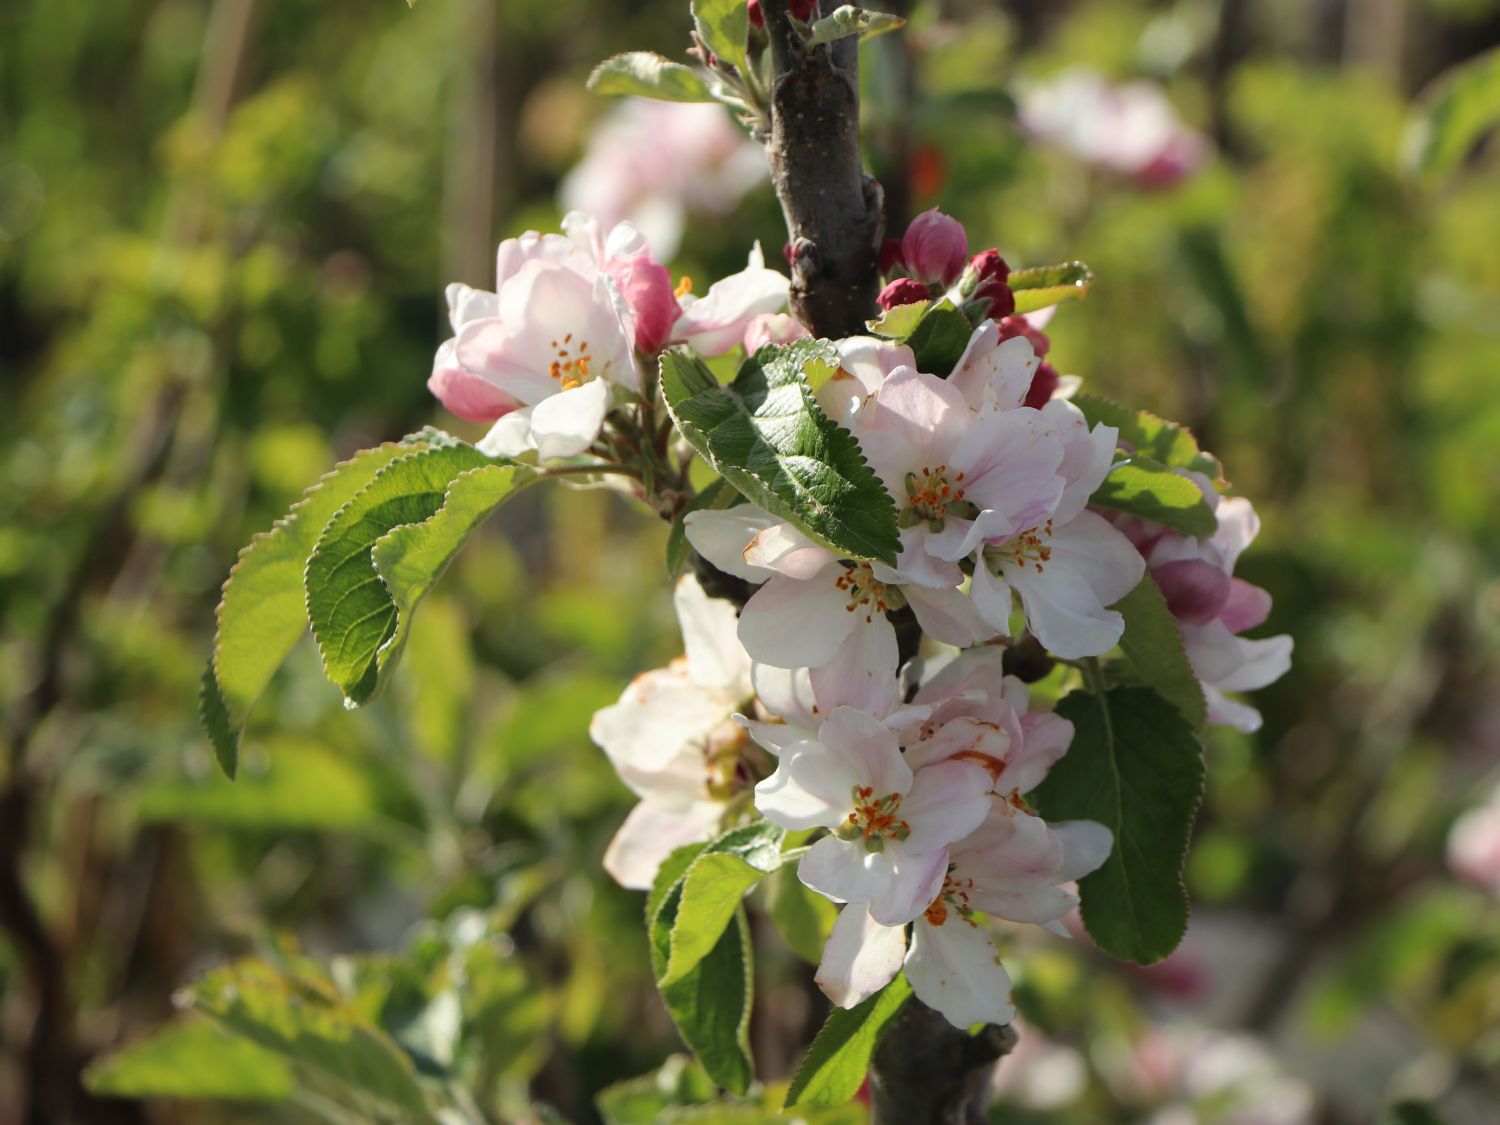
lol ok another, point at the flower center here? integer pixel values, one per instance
(955, 893)
(1030, 548)
(874, 820)
(867, 594)
(571, 365)
(728, 773)
(931, 496)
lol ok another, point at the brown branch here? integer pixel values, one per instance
(927, 1070)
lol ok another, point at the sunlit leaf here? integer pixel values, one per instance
(1142, 487)
(647, 75)
(712, 888)
(192, 1058)
(1041, 286)
(835, 1065)
(1143, 432)
(1451, 116)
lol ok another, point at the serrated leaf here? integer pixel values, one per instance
(900, 322)
(350, 608)
(765, 434)
(1142, 487)
(191, 1058)
(712, 888)
(649, 75)
(848, 20)
(412, 557)
(644, 1100)
(1039, 287)
(1153, 645)
(263, 612)
(1144, 433)
(1452, 114)
(716, 496)
(836, 1062)
(306, 1020)
(939, 338)
(724, 27)
(1136, 767)
(802, 917)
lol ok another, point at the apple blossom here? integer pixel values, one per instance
(1474, 845)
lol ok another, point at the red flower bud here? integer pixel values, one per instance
(902, 291)
(803, 9)
(935, 247)
(757, 17)
(890, 256)
(997, 293)
(988, 265)
(1043, 383)
(1012, 326)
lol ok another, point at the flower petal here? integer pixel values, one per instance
(860, 958)
(954, 968)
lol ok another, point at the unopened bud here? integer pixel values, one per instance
(1043, 383)
(1013, 326)
(890, 256)
(757, 17)
(988, 265)
(998, 294)
(902, 291)
(935, 247)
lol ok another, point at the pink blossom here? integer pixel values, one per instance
(646, 288)
(902, 291)
(1474, 846)
(462, 392)
(935, 247)
(773, 328)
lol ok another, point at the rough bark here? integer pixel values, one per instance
(925, 1070)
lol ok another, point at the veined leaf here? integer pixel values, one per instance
(1452, 114)
(1153, 646)
(836, 1062)
(1135, 767)
(900, 322)
(192, 1058)
(765, 434)
(1171, 444)
(802, 916)
(1041, 286)
(939, 339)
(263, 612)
(1146, 488)
(305, 1019)
(711, 1004)
(724, 27)
(354, 618)
(712, 888)
(649, 76)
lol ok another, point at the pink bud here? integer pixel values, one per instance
(757, 17)
(902, 291)
(646, 287)
(935, 247)
(1195, 590)
(988, 265)
(773, 328)
(465, 394)
(998, 294)
(1246, 606)
(890, 256)
(1043, 383)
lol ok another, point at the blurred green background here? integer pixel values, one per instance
(225, 226)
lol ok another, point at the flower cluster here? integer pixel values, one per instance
(908, 768)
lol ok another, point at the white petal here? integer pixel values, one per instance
(510, 436)
(567, 423)
(870, 749)
(860, 958)
(1086, 845)
(954, 968)
(658, 714)
(716, 322)
(947, 801)
(651, 833)
(862, 674)
(812, 787)
(796, 624)
(845, 871)
(722, 537)
(1088, 458)
(948, 616)
(715, 657)
(913, 880)
(787, 693)
(992, 372)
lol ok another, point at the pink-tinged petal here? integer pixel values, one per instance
(969, 739)
(1091, 566)
(994, 372)
(1013, 867)
(723, 537)
(785, 550)
(861, 957)
(795, 624)
(1245, 607)
(868, 748)
(787, 693)
(947, 801)
(554, 249)
(717, 322)
(773, 738)
(1087, 458)
(488, 348)
(715, 657)
(1232, 663)
(810, 788)
(1086, 844)
(954, 969)
(920, 561)
(913, 880)
(1232, 713)
(947, 616)
(465, 394)
(1010, 463)
(913, 422)
(935, 247)
(991, 595)
(645, 286)
(861, 675)
(466, 303)
(845, 871)
(659, 713)
(509, 437)
(566, 424)
(1196, 591)
(1045, 739)
(773, 328)
(1473, 848)
(1238, 527)
(971, 676)
(651, 833)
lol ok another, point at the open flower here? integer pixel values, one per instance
(889, 826)
(673, 741)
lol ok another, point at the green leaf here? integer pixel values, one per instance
(1171, 444)
(900, 322)
(711, 1004)
(263, 612)
(716, 496)
(1153, 645)
(1041, 286)
(191, 1058)
(802, 917)
(939, 339)
(1451, 115)
(765, 434)
(712, 889)
(836, 1062)
(1146, 488)
(724, 27)
(649, 76)
(642, 1101)
(356, 619)
(848, 20)
(1135, 767)
(305, 1019)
